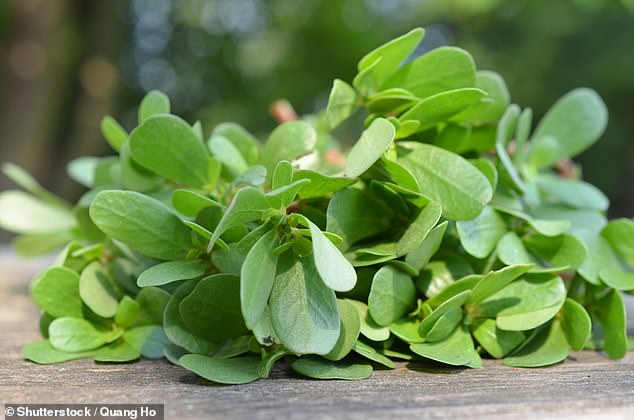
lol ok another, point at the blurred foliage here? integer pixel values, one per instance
(223, 60)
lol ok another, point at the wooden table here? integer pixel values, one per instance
(586, 386)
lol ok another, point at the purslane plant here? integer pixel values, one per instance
(455, 230)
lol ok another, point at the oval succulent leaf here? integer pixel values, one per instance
(167, 146)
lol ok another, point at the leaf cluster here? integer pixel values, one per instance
(449, 234)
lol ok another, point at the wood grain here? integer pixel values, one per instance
(586, 386)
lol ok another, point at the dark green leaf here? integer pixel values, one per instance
(350, 329)
(176, 330)
(392, 295)
(167, 146)
(256, 278)
(480, 236)
(576, 324)
(212, 310)
(457, 350)
(610, 311)
(548, 347)
(171, 271)
(238, 370)
(142, 223)
(304, 311)
(498, 343)
(318, 368)
(449, 179)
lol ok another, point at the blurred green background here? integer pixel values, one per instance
(66, 63)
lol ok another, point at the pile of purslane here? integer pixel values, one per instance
(454, 230)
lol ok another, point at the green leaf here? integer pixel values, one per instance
(374, 141)
(369, 328)
(153, 103)
(333, 268)
(599, 257)
(542, 226)
(480, 236)
(228, 154)
(490, 108)
(247, 206)
(152, 302)
(445, 325)
(391, 101)
(559, 251)
(238, 370)
(56, 292)
(148, 340)
(75, 334)
(457, 350)
(43, 353)
(617, 279)
(392, 295)
(575, 122)
(97, 291)
(350, 329)
(117, 352)
(462, 284)
(420, 256)
(248, 145)
(319, 368)
(370, 352)
(320, 185)
(127, 312)
(171, 271)
(418, 230)
(304, 311)
(620, 235)
(439, 70)
(22, 213)
(441, 106)
(505, 131)
(548, 347)
(284, 196)
(576, 324)
(167, 146)
(573, 193)
(133, 176)
(112, 131)
(175, 328)
(355, 214)
(342, 103)
(450, 304)
(494, 281)
(460, 188)
(498, 343)
(526, 303)
(212, 310)
(190, 203)
(141, 222)
(406, 329)
(288, 141)
(282, 175)
(610, 311)
(256, 278)
(390, 55)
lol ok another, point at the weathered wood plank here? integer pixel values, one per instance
(586, 386)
